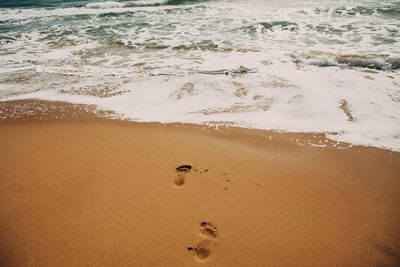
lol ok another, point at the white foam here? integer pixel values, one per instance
(280, 97)
(107, 4)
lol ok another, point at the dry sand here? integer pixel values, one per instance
(104, 193)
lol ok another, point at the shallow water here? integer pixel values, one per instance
(321, 66)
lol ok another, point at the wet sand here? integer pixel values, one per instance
(112, 193)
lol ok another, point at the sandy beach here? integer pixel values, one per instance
(93, 192)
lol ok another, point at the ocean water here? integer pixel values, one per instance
(296, 65)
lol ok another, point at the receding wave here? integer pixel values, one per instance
(320, 59)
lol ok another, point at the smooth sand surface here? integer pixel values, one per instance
(110, 194)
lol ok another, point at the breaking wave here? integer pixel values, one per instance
(320, 59)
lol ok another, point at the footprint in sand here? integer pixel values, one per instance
(208, 239)
(181, 172)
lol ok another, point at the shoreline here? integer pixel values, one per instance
(105, 192)
(43, 111)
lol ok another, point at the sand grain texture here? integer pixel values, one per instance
(103, 194)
